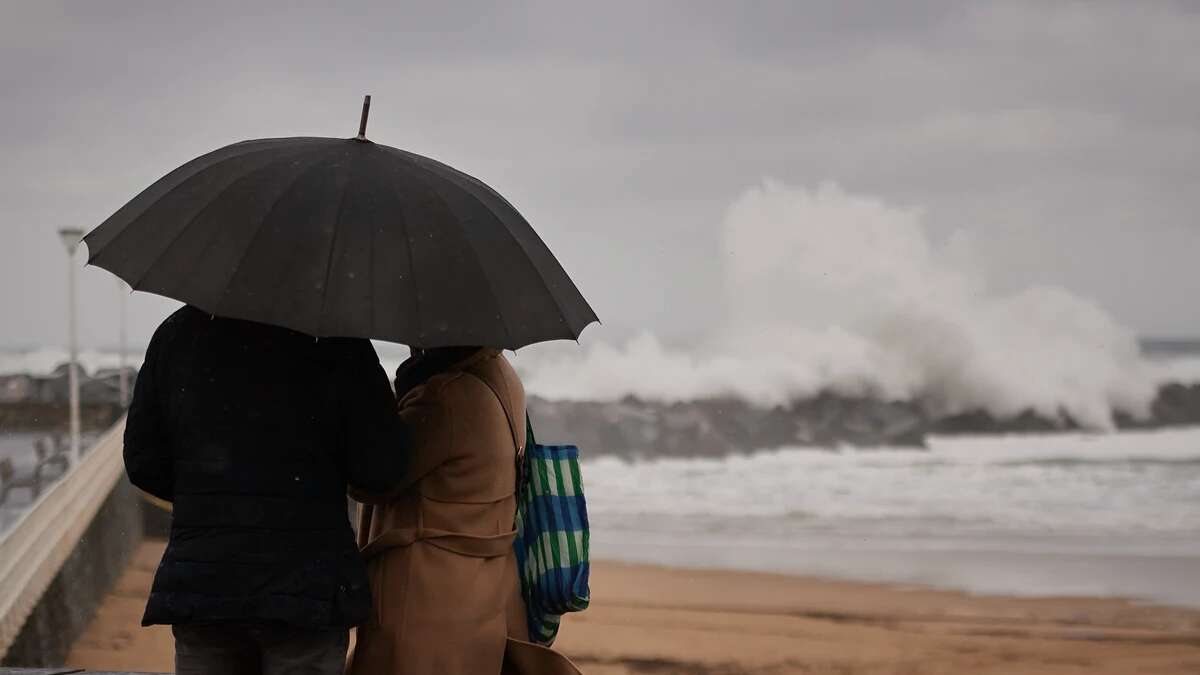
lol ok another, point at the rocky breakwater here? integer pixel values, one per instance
(633, 428)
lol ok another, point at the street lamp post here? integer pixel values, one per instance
(70, 238)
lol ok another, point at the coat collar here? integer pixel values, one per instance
(417, 370)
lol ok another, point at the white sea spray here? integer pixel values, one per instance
(827, 290)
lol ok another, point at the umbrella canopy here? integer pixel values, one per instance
(343, 237)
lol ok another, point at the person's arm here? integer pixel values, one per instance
(147, 449)
(427, 425)
(373, 439)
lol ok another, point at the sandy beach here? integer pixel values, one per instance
(659, 620)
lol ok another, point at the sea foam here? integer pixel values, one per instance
(1087, 484)
(826, 290)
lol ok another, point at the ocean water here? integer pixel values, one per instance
(1081, 514)
(1062, 514)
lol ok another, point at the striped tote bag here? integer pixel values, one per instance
(552, 536)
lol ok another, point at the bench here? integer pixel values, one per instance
(9, 481)
(59, 459)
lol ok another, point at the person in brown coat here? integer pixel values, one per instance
(439, 552)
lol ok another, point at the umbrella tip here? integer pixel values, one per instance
(362, 122)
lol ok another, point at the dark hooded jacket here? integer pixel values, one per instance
(254, 433)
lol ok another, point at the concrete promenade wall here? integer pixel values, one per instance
(88, 574)
(58, 562)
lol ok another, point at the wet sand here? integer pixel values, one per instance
(659, 620)
(115, 640)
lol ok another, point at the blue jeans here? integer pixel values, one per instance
(258, 649)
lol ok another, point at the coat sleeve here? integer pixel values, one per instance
(373, 438)
(147, 451)
(426, 420)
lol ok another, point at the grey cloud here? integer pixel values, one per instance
(625, 129)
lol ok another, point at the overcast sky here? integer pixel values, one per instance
(1062, 138)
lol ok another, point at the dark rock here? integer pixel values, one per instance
(981, 422)
(1176, 404)
(715, 427)
(633, 428)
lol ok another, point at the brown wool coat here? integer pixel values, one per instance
(439, 554)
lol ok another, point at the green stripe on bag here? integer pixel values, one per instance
(553, 538)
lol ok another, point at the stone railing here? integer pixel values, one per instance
(62, 556)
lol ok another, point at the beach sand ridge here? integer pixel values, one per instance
(658, 621)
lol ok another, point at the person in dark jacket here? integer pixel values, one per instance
(255, 433)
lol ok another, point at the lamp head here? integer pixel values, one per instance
(71, 236)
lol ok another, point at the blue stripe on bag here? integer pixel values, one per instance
(552, 537)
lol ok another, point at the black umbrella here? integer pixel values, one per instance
(343, 237)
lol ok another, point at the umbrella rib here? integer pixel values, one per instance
(538, 272)
(438, 167)
(258, 230)
(542, 277)
(125, 230)
(474, 252)
(412, 271)
(192, 221)
(337, 230)
(371, 279)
